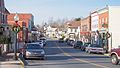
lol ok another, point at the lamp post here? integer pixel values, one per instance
(15, 29)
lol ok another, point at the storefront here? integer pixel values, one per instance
(94, 28)
(85, 37)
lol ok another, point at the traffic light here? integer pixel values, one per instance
(16, 28)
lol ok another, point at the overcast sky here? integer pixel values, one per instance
(43, 10)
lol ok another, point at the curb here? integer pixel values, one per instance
(22, 60)
(22, 64)
(107, 55)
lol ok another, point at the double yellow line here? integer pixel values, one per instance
(80, 60)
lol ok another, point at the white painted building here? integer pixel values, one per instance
(94, 26)
(114, 26)
(51, 31)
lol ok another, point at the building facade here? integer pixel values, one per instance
(4, 28)
(85, 29)
(73, 30)
(26, 21)
(94, 27)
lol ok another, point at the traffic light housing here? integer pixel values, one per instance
(16, 28)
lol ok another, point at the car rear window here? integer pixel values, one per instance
(95, 45)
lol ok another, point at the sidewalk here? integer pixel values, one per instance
(7, 61)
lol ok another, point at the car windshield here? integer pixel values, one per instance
(33, 46)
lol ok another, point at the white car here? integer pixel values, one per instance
(94, 48)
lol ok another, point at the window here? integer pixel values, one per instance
(75, 30)
(102, 20)
(106, 20)
(71, 30)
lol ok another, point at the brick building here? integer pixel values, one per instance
(85, 29)
(4, 28)
(26, 21)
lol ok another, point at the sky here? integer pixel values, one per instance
(44, 10)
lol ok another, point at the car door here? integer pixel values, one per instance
(118, 51)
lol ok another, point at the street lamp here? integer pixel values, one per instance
(16, 30)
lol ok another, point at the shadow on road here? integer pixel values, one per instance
(68, 63)
(58, 58)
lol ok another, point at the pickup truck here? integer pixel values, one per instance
(115, 56)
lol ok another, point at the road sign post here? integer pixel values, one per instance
(16, 29)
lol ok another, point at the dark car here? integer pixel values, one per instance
(61, 40)
(78, 44)
(115, 56)
(83, 47)
(70, 42)
(33, 50)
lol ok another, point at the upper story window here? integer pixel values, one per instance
(102, 20)
(106, 19)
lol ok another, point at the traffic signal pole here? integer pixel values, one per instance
(15, 47)
(16, 29)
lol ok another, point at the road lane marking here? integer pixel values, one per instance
(80, 60)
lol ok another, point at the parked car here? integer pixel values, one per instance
(78, 44)
(70, 42)
(94, 48)
(115, 56)
(83, 47)
(33, 50)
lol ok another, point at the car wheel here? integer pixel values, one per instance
(42, 58)
(114, 59)
(74, 47)
(23, 56)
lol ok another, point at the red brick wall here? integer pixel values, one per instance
(103, 18)
(22, 18)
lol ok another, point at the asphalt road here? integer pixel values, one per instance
(60, 55)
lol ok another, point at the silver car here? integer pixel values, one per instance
(34, 50)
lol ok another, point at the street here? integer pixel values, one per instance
(60, 55)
